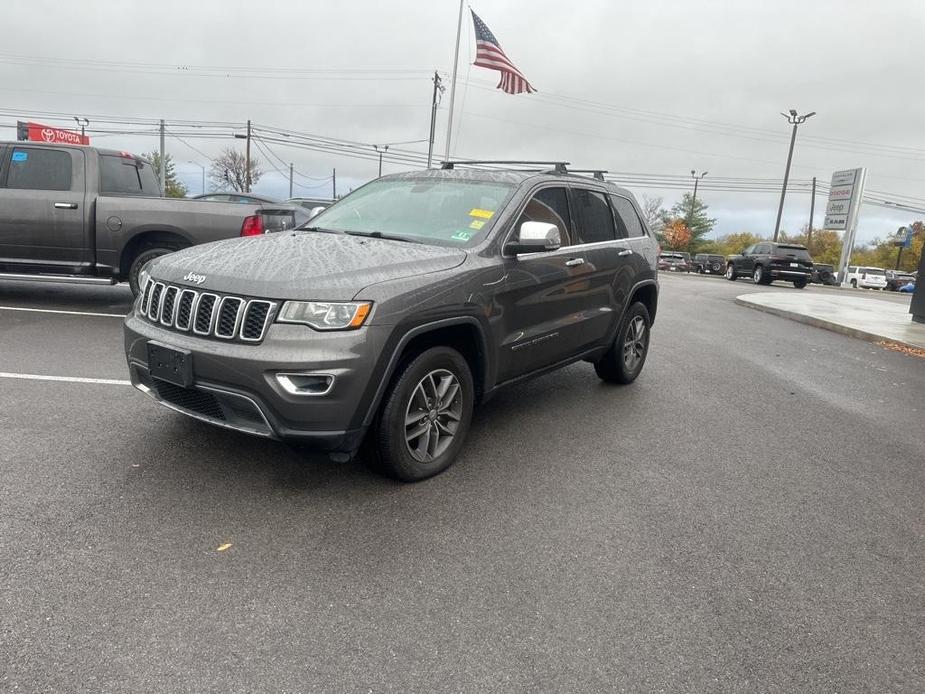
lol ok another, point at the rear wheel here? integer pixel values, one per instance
(146, 255)
(623, 362)
(799, 284)
(425, 416)
(731, 273)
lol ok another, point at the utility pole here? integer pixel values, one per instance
(82, 123)
(290, 179)
(694, 198)
(385, 148)
(796, 120)
(438, 87)
(812, 209)
(247, 160)
(334, 184)
(163, 171)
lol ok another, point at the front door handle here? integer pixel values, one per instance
(574, 262)
(65, 205)
(625, 252)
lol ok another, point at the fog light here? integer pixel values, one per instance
(306, 383)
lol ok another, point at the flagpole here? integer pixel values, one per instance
(449, 121)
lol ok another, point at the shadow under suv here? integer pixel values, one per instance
(397, 309)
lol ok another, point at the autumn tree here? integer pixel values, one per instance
(676, 235)
(693, 213)
(229, 171)
(174, 188)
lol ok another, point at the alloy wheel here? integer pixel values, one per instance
(634, 345)
(433, 415)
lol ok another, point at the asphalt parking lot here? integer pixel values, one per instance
(748, 516)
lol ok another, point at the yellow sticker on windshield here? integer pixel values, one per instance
(484, 214)
(477, 224)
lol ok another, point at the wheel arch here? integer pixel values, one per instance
(150, 238)
(463, 333)
(647, 293)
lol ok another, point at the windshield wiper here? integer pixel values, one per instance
(380, 235)
(320, 230)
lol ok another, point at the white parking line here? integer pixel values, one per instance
(67, 313)
(66, 379)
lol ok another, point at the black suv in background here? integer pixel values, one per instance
(398, 309)
(674, 261)
(767, 261)
(708, 264)
(823, 274)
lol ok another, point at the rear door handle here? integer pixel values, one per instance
(573, 262)
(625, 252)
(65, 205)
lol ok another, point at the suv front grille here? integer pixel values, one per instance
(206, 314)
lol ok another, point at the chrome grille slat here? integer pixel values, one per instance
(169, 305)
(206, 314)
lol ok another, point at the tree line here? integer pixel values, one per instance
(227, 171)
(686, 224)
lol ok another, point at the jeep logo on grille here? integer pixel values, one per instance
(193, 277)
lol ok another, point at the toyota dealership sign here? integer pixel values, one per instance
(36, 132)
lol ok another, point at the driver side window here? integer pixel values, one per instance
(549, 205)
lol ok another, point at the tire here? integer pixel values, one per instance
(758, 277)
(412, 390)
(731, 274)
(799, 284)
(617, 366)
(146, 255)
(854, 284)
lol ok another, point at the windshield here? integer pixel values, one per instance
(794, 252)
(434, 211)
(127, 176)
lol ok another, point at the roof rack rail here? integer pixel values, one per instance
(560, 165)
(597, 173)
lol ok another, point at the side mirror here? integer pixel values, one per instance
(535, 237)
(315, 211)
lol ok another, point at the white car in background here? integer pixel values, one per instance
(862, 277)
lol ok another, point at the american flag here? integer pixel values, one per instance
(488, 54)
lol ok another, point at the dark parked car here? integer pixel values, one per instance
(823, 274)
(674, 261)
(767, 261)
(708, 264)
(402, 306)
(896, 279)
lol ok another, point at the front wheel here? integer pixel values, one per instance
(799, 284)
(425, 417)
(730, 273)
(623, 362)
(854, 284)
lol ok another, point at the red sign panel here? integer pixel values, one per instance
(46, 133)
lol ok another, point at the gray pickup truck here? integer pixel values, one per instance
(82, 214)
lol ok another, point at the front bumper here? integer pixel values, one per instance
(235, 385)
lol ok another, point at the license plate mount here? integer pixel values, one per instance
(170, 364)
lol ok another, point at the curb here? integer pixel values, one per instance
(825, 324)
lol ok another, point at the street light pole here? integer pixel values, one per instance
(795, 120)
(203, 174)
(694, 198)
(385, 148)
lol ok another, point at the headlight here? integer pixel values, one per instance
(325, 315)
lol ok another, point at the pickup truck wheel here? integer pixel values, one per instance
(141, 259)
(623, 362)
(731, 273)
(425, 416)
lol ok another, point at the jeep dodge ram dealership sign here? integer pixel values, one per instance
(36, 132)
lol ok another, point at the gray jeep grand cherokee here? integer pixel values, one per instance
(399, 308)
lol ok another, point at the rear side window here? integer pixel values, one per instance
(627, 218)
(595, 219)
(127, 175)
(34, 168)
(794, 252)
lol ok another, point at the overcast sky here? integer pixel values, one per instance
(650, 87)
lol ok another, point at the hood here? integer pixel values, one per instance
(301, 265)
